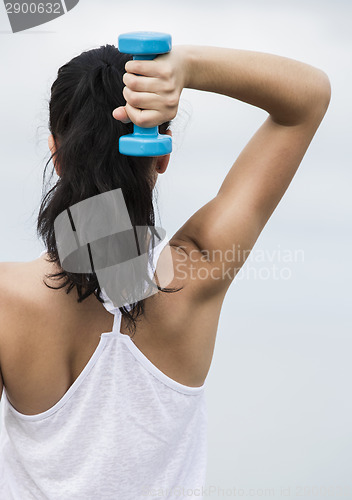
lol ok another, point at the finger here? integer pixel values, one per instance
(144, 84)
(121, 115)
(143, 100)
(144, 68)
(144, 118)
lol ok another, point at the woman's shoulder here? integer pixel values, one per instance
(17, 294)
(18, 312)
(17, 279)
(11, 281)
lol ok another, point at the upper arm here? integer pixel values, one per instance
(2, 318)
(14, 297)
(1, 385)
(252, 189)
(8, 310)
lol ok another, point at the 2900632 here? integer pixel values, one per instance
(33, 8)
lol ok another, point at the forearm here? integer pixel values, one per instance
(287, 89)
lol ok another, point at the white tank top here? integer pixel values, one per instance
(124, 430)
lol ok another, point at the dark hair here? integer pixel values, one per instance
(86, 91)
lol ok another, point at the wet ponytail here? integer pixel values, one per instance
(86, 91)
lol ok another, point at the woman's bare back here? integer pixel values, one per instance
(47, 337)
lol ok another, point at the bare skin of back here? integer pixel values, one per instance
(51, 337)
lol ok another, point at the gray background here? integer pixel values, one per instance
(279, 386)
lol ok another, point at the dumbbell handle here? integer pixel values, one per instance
(145, 45)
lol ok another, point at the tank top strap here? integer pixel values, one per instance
(152, 264)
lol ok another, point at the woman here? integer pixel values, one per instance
(122, 414)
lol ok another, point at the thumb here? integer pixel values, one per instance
(121, 115)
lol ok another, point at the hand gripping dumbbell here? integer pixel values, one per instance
(145, 45)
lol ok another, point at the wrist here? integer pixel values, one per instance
(186, 64)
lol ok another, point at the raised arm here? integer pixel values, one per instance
(296, 96)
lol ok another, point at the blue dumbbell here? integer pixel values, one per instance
(145, 45)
